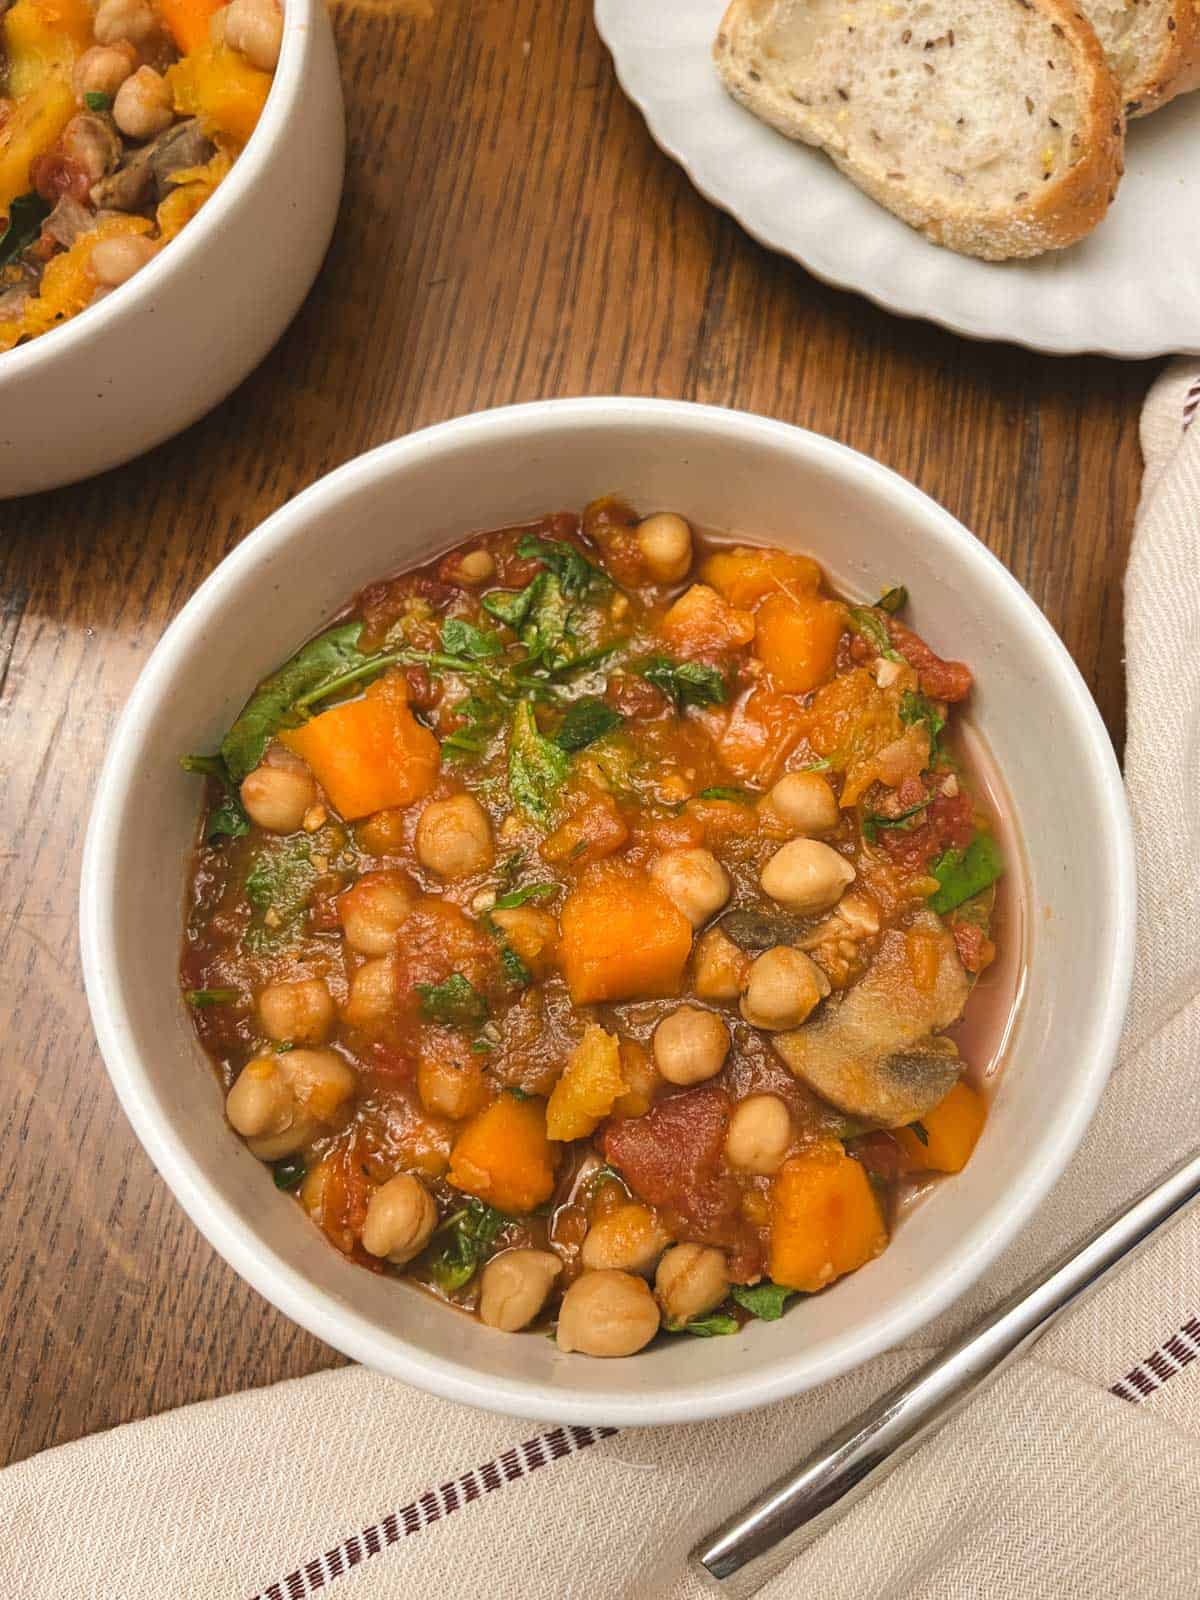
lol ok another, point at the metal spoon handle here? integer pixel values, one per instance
(752, 1546)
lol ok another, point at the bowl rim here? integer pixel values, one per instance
(129, 297)
(331, 1319)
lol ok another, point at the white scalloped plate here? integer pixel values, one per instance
(1132, 289)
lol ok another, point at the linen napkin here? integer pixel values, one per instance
(1078, 1473)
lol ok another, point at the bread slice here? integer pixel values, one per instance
(993, 126)
(1153, 46)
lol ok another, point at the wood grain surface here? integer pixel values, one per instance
(508, 232)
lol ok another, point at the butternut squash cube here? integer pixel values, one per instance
(825, 1219)
(621, 939)
(503, 1156)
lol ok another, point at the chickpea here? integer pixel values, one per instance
(607, 1314)
(806, 876)
(301, 1011)
(373, 993)
(759, 1134)
(383, 832)
(454, 837)
(665, 541)
(400, 1218)
(143, 105)
(255, 27)
(279, 1102)
(276, 798)
(641, 1077)
(629, 1239)
(374, 910)
(124, 21)
(691, 1279)
(801, 802)
(453, 1089)
(477, 566)
(514, 1286)
(783, 987)
(720, 967)
(92, 144)
(533, 934)
(690, 1045)
(114, 261)
(695, 880)
(103, 69)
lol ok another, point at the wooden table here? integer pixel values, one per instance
(508, 232)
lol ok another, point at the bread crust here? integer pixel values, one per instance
(1056, 215)
(1177, 70)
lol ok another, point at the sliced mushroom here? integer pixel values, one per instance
(760, 930)
(67, 221)
(130, 187)
(183, 146)
(875, 1053)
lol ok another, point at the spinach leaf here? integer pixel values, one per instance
(289, 1173)
(719, 792)
(763, 1300)
(921, 1131)
(26, 214)
(482, 714)
(461, 638)
(962, 874)
(687, 683)
(537, 769)
(455, 1002)
(323, 665)
(712, 1326)
(229, 818)
(510, 606)
(515, 970)
(470, 1234)
(577, 575)
(278, 886)
(548, 619)
(518, 897)
(873, 821)
(915, 707)
(871, 627)
(95, 100)
(585, 722)
(199, 999)
(893, 600)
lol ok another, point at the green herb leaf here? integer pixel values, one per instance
(515, 970)
(763, 1300)
(483, 714)
(482, 1047)
(519, 897)
(585, 722)
(822, 764)
(893, 600)
(577, 575)
(962, 874)
(871, 627)
(511, 606)
(229, 818)
(455, 1002)
(94, 100)
(278, 886)
(719, 792)
(921, 1131)
(319, 669)
(289, 1173)
(469, 1237)
(687, 683)
(873, 821)
(916, 707)
(25, 217)
(604, 1174)
(199, 999)
(537, 769)
(547, 625)
(461, 638)
(712, 1326)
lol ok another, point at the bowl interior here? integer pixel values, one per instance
(730, 472)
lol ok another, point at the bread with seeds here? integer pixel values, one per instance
(992, 126)
(1153, 46)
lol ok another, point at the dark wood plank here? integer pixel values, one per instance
(508, 232)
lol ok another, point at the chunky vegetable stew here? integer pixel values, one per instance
(577, 925)
(117, 122)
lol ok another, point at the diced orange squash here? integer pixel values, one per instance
(744, 574)
(369, 754)
(762, 730)
(68, 282)
(796, 639)
(849, 722)
(504, 1157)
(591, 1082)
(952, 1130)
(701, 623)
(825, 1219)
(30, 128)
(622, 939)
(221, 88)
(187, 21)
(192, 186)
(593, 830)
(43, 38)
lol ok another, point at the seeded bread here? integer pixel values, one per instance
(1153, 46)
(992, 126)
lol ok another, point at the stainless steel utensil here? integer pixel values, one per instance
(755, 1544)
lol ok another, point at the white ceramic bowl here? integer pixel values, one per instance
(403, 503)
(168, 345)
